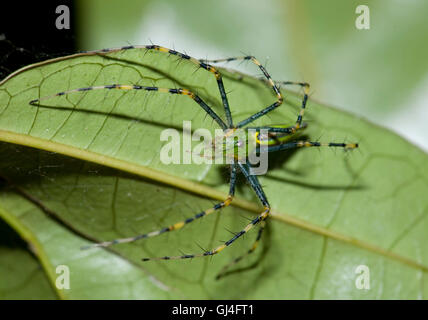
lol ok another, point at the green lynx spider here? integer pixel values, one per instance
(278, 139)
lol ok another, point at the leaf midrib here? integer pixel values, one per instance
(196, 188)
(37, 248)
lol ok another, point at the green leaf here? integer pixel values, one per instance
(98, 274)
(90, 161)
(21, 274)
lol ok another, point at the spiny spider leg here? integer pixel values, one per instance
(178, 225)
(255, 184)
(256, 242)
(185, 92)
(276, 90)
(263, 216)
(305, 144)
(199, 63)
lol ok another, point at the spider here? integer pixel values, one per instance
(276, 139)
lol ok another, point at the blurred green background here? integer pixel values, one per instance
(380, 73)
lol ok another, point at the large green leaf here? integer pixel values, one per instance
(333, 211)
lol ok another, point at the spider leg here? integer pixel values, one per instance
(178, 225)
(261, 217)
(305, 87)
(269, 80)
(276, 85)
(298, 124)
(278, 129)
(304, 144)
(259, 191)
(185, 92)
(197, 62)
(256, 186)
(256, 242)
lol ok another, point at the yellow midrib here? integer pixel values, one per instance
(37, 249)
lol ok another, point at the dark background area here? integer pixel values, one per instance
(28, 34)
